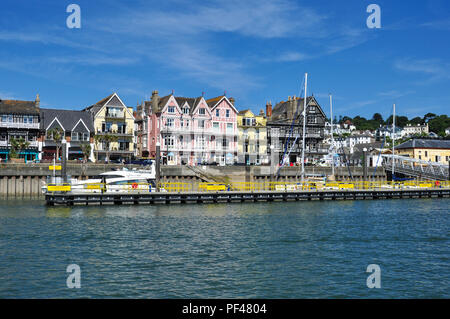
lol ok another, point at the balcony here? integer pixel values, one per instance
(7, 144)
(20, 125)
(128, 132)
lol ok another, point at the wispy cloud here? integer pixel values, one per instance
(434, 68)
(94, 60)
(443, 25)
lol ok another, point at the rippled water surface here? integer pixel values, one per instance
(260, 250)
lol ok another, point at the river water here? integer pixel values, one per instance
(249, 250)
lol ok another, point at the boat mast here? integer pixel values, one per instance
(304, 128)
(393, 142)
(332, 136)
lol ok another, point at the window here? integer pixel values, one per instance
(224, 144)
(187, 123)
(216, 126)
(202, 111)
(201, 123)
(426, 153)
(185, 110)
(227, 113)
(169, 141)
(217, 112)
(171, 109)
(169, 123)
(229, 127)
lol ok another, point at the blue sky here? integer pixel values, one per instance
(255, 50)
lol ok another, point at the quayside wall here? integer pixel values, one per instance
(25, 180)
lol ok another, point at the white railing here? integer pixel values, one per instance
(19, 125)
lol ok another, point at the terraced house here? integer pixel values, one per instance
(252, 140)
(190, 131)
(285, 129)
(19, 121)
(113, 128)
(76, 127)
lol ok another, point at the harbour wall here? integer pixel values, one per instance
(25, 180)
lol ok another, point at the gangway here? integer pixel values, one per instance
(415, 167)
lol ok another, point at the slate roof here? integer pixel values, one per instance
(67, 118)
(279, 112)
(419, 143)
(18, 107)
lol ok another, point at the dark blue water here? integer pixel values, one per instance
(261, 250)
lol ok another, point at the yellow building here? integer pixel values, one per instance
(428, 150)
(114, 129)
(252, 138)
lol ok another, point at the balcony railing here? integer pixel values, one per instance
(119, 115)
(128, 132)
(6, 144)
(20, 125)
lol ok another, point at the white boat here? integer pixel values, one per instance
(115, 181)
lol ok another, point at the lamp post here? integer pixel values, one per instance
(272, 162)
(364, 165)
(64, 160)
(157, 164)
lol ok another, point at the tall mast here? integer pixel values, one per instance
(332, 137)
(304, 128)
(393, 143)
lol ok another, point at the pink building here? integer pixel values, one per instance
(191, 131)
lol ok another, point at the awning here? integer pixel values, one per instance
(170, 154)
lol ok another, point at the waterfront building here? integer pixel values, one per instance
(387, 131)
(409, 129)
(19, 119)
(111, 117)
(76, 127)
(252, 138)
(428, 150)
(285, 130)
(190, 131)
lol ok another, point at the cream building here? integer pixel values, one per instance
(428, 150)
(114, 129)
(252, 138)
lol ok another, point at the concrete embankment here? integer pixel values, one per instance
(25, 180)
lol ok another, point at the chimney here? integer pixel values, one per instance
(155, 102)
(38, 101)
(291, 108)
(232, 100)
(269, 109)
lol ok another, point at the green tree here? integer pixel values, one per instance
(86, 149)
(438, 124)
(17, 146)
(107, 139)
(416, 121)
(56, 134)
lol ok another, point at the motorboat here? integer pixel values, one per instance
(124, 180)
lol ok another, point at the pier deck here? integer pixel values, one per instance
(70, 199)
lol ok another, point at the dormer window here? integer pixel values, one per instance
(202, 111)
(185, 110)
(171, 109)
